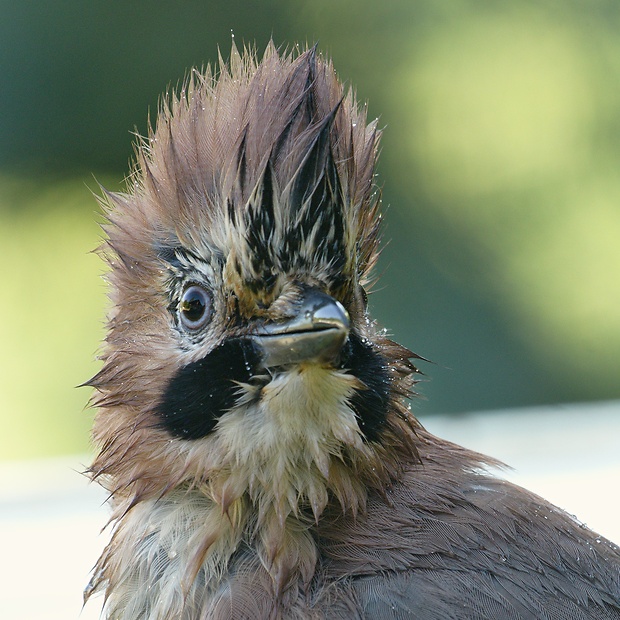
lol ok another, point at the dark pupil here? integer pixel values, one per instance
(193, 306)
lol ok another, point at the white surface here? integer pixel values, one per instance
(50, 517)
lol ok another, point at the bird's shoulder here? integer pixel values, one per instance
(458, 542)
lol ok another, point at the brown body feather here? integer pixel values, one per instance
(312, 491)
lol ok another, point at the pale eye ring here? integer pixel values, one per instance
(195, 307)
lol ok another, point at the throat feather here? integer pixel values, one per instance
(287, 448)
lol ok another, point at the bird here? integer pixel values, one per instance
(253, 428)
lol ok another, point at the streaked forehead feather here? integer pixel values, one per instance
(270, 158)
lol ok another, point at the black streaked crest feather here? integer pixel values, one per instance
(270, 158)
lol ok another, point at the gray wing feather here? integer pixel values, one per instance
(470, 546)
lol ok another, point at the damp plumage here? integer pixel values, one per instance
(252, 428)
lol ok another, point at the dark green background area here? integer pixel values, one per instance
(499, 169)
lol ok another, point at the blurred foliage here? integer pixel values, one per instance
(51, 303)
(500, 171)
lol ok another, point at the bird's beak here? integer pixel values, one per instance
(316, 333)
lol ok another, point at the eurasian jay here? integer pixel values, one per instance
(253, 430)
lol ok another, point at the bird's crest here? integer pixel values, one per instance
(268, 166)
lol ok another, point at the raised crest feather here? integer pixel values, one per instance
(279, 129)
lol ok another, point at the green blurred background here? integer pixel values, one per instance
(500, 168)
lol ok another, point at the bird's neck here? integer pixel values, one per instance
(282, 459)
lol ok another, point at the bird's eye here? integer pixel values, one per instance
(195, 307)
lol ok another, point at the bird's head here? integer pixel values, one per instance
(240, 358)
